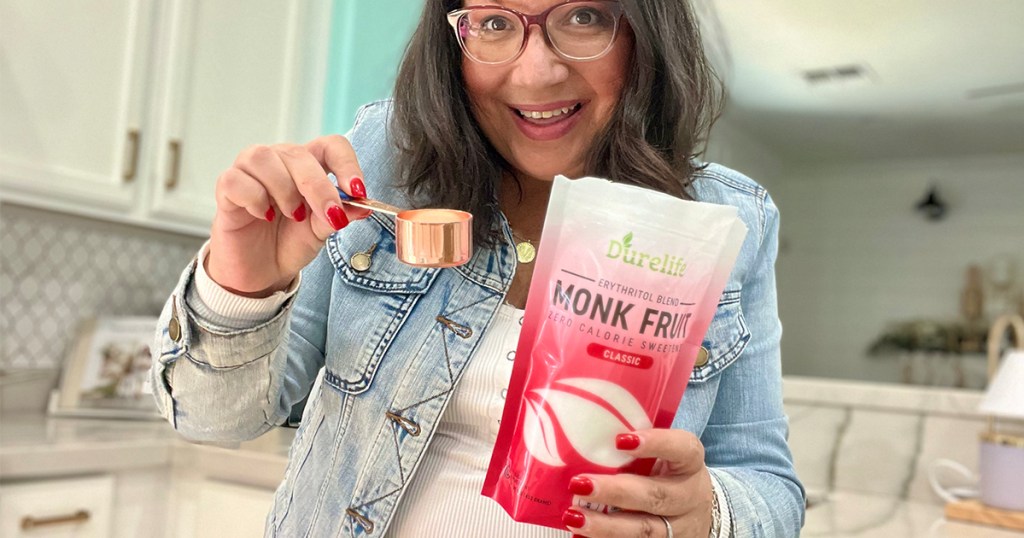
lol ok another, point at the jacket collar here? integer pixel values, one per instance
(493, 266)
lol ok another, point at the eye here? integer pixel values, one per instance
(495, 23)
(585, 16)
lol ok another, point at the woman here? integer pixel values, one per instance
(398, 371)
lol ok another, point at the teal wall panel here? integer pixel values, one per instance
(368, 38)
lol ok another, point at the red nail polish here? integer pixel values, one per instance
(357, 188)
(269, 215)
(336, 217)
(627, 441)
(300, 214)
(575, 519)
(581, 485)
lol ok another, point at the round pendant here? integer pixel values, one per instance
(525, 252)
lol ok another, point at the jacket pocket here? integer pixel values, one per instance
(364, 256)
(373, 295)
(725, 340)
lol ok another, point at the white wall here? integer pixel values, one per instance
(855, 255)
(730, 146)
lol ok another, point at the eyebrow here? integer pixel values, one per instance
(517, 5)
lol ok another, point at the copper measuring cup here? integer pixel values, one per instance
(425, 237)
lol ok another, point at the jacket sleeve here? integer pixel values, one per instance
(214, 383)
(223, 384)
(746, 437)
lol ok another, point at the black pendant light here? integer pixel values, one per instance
(932, 205)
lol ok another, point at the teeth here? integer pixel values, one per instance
(546, 114)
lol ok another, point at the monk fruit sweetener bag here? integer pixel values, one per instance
(626, 284)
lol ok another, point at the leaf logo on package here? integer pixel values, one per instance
(664, 263)
(552, 428)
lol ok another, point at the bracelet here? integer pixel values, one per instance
(716, 514)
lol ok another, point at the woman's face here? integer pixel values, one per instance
(541, 81)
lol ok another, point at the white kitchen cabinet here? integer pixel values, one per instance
(209, 508)
(228, 510)
(141, 501)
(129, 110)
(74, 507)
(72, 91)
(231, 81)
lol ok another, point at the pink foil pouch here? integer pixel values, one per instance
(626, 284)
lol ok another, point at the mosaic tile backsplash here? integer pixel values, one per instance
(57, 269)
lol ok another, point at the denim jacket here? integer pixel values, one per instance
(371, 358)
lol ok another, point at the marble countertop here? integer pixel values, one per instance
(38, 446)
(854, 515)
(34, 447)
(883, 396)
(873, 448)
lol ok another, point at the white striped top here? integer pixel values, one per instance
(444, 498)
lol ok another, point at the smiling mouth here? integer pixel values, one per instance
(546, 117)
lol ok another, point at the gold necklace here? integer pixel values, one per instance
(525, 251)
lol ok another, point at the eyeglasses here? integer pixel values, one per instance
(577, 30)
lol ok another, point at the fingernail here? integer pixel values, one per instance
(575, 519)
(581, 485)
(357, 188)
(336, 217)
(627, 441)
(299, 214)
(270, 215)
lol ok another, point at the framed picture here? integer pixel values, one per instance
(106, 373)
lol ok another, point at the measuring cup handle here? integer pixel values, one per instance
(366, 203)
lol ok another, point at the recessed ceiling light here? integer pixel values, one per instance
(848, 71)
(841, 74)
(815, 76)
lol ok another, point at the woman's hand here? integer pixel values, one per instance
(275, 209)
(679, 489)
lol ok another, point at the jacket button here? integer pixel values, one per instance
(360, 261)
(702, 357)
(174, 329)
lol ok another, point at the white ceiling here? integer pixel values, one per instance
(926, 61)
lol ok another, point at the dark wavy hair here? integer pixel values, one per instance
(668, 104)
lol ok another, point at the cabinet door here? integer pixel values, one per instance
(79, 508)
(72, 77)
(232, 81)
(228, 511)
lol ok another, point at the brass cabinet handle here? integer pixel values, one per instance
(133, 156)
(175, 168)
(29, 522)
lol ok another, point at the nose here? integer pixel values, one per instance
(539, 66)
